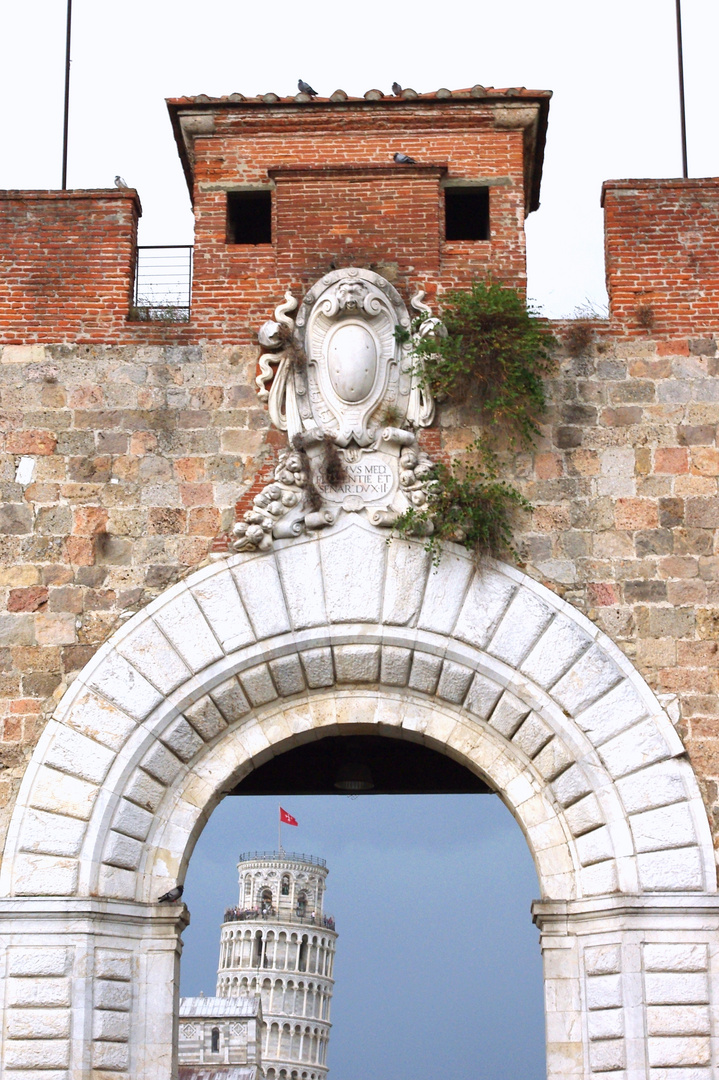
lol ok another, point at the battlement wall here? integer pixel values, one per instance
(662, 255)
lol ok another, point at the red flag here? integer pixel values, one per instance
(286, 818)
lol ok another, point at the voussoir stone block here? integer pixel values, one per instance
(589, 677)
(206, 718)
(183, 623)
(353, 570)
(121, 683)
(74, 753)
(454, 682)
(356, 663)
(395, 665)
(100, 721)
(149, 651)
(520, 627)
(258, 685)
(407, 570)
(220, 603)
(487, 599)
(261, 590)
(445, 589)
(287, 675)
(319, 667)
(301, 574)
(424, 675)
(230, 699)
(561, 644)
(182, 739)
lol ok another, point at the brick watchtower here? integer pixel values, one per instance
(278, 943)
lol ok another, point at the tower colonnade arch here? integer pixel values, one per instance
(344, 634)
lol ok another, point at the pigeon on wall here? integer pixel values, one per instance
(120, 183)
(305, 88)
(404, 159)
(396, 89)
(171, 896)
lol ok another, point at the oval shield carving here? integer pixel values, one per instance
(352, 361)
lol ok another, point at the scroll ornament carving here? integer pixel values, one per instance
(338, 377)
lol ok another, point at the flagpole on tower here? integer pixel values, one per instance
(279, 830)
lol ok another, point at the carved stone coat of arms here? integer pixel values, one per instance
(341, 379)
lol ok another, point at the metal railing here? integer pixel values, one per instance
(247, 856)
(235, 914)
(163, 283)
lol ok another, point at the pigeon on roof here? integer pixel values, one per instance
(171, 896)
(396, 89)
(404, 159)
(120, 183)
(305, 88)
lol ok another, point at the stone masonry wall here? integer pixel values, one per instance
(121, 467)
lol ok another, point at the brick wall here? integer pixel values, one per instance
(66, 264)
(662, 255)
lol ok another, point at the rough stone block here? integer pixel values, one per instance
(109, 1026)
(258, 685)
(287, 675)
(508, 714)
(112, 994)
(680, 957)
(230, 700)
(144, 791)
(595, 846)
(319, 667)
(553, 759)
(482, 697)
(603, 959)
(356, 663)
(73, 753)
(100, 721)
(607, 1055)
(132, 820)
(123, 851)
(424, 675)
(569, 786)
(641, 745)
(53, 834)
(667, 827)
(454, 682)
(113, 1056)
(657, 785)
(37, 1053)
(674, 871)
(38, 1024)
(161, 764)
(678, 1020)
(182, 739)
(675, 1053)
(604, 992)
(32, 962)
(606, 1024)
(532, 735)
(584, 816)
(206, 718)
(39, 993)
(113, 964)
(614, 712)
(395, 665)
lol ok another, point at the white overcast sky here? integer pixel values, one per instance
(611, 65)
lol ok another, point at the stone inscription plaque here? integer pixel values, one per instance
(371, 479)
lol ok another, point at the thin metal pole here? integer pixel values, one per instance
(680, 55)
(66, 118)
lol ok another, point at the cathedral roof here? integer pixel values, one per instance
(210, 1007)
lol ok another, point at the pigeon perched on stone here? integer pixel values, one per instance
(171, 896)
(120, 183)
(404, 159)
(396, 89)
(305, 88)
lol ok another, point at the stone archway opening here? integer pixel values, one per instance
(466, 933)
(266, 651)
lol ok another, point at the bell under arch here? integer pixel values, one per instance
(338, 635)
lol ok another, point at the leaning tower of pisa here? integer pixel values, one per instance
(279, 943)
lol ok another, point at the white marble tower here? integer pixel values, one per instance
(279, 943)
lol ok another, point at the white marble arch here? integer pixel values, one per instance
(345, 633)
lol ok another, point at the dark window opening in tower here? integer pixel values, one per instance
(266, 902)
(466, 213)
(215, 1046)
(249, 217)
(302, 960)
(285, 887)
(257, 957)
(302, 905)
